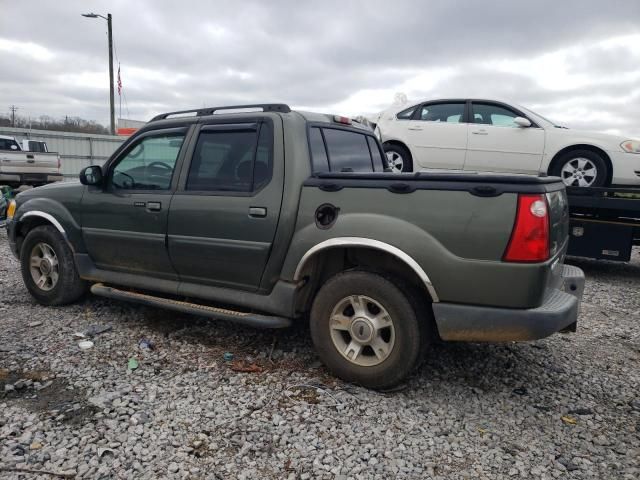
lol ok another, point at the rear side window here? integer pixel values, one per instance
(318, 152)
(378, 163)
(442, 112)
(232, 160)
(347, 151)
(406, 114)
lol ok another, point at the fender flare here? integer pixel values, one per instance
(368, 243)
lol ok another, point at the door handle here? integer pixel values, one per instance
(415, 128)
(480, 132)
(154, 206)
(257, 212)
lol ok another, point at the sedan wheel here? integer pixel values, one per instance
(579, 172)
(395, 162)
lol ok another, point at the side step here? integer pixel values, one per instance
(250, 319)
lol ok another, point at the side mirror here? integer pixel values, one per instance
(91, 175)
(522, 122)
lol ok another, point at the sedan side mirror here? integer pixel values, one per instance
(522, 122)
(91, 175)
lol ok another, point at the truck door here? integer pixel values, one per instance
(224, 215)
(124, 224)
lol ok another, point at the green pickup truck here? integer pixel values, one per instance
(265, 216)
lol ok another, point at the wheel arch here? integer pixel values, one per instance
(583, 146)
(36, 218)
(399, 143)
(336, 255)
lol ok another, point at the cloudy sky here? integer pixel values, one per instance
(575, 61)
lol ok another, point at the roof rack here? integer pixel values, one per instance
(201, 112)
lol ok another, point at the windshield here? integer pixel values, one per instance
(543, 118)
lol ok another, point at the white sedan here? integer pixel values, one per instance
(493, 136)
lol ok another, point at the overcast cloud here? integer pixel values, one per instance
(577, 62)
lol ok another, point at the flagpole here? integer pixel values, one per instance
(120, 90)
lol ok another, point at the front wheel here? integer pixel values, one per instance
(581, 168)
(48, 269)
(366, 330)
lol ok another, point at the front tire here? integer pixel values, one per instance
(581, 168)
(366, 330)
(398, 158)
(48, 269)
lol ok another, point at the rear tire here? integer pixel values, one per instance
(366, 330)
(398, 158)
(48, 269)
(581, 168)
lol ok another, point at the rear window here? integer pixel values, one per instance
(8, 144)
(338, 150)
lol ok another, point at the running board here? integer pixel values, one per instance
(250, 319)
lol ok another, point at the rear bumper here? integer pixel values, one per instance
(27, 178)
(489, 324)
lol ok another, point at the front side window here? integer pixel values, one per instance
(232, 160)
(149, 164)
(490, 114)
(442, 112)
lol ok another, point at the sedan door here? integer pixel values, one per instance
(124, 223)
(498, 144)
(437, 136)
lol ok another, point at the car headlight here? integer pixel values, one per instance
(631, 146)
(11, 210)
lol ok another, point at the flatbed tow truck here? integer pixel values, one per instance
(604, 222)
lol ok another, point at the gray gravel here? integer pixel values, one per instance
(564, 407)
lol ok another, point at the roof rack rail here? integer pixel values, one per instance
(201, 112)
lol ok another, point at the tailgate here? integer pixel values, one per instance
(558, 232)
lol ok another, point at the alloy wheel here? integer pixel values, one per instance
(579, 172)
(362, 330)
(395, 162)
(43, 265)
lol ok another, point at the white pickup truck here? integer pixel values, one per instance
(19, 167)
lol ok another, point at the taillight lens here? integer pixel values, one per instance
(530, 236)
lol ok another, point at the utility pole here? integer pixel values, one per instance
(13, 109)
(110, 38)
(112, 106)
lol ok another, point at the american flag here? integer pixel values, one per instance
(119, 81)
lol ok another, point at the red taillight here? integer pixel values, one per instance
(530, 236)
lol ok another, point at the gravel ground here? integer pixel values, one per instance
(564, 407)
